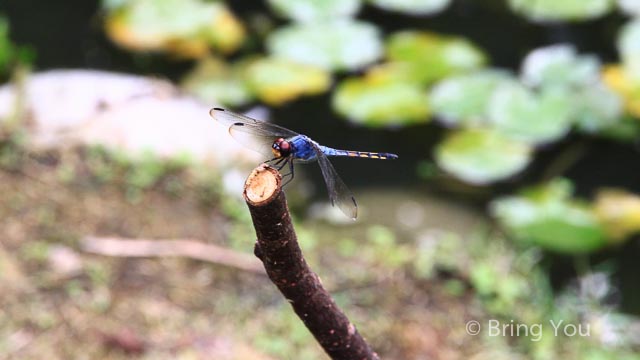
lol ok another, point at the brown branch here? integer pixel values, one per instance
(193, 249)
(277, 247)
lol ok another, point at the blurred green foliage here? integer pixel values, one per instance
(567, 10)
(497, 120)
(549, 217)
(11, 55)
(183, 28)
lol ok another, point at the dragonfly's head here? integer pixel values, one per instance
(281, 148)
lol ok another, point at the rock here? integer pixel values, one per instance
(124, 112)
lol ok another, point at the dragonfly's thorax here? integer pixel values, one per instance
(281, 148)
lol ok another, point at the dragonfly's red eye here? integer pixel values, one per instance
(285, 148)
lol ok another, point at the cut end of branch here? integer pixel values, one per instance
(262, 185)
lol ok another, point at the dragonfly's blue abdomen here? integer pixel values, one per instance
(303, 149)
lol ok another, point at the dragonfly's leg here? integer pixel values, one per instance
(289, 174)
(276, 160)
(286, 160)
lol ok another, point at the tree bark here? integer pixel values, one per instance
(277, 247)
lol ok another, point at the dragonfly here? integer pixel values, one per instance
(285, 147)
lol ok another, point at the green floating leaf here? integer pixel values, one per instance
(623, 84)
(619, 212)
(314, 10)
(597, 108)
(381, 103)
(559, 65)
(276, 81)
(547, 216)
(482, 156)
(630, 7)
(214, 81)
(187, 28)
(627, 129)
(462, 99)
(629, 48)
(335, 45)
(526, 116)
(412, 7)
(554, 10)
(432, 56)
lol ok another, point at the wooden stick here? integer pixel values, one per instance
(114, 246)
(277, 247)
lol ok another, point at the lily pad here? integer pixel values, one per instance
(630, 7)
(332, 45)
(547, 216)
(277, 81)
(619, 211)
(373, 102)
(482, 156)
(463, 99)
(554, 10)
(433, 56)
(526, 116)
(314, 10)
(412, 7)
(559, 65)
(213, 81)
(616, 78)
(187, 28)
(597, 108)
(629, 48)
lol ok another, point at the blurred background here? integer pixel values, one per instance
(515, 197)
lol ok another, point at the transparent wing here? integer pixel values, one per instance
(261, 144)
(339, 193)
(241, 123)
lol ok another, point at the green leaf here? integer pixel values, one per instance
(548, 217)
(332, 45)
(10, 54)
(627, 129)
(276, 81)
(554, 10)
(526, 116)
(629, 48)
(381, 103)
(432, 56)
(186, 28)
(630, 7)
(6, 47)
(597, 108)
(412, 7)
(214, 81)
(314, 10)
(463, 99)
(482, 156)
(559, 65)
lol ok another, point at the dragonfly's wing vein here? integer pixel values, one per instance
(259, 143)
(339, 193)
(246, 124)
